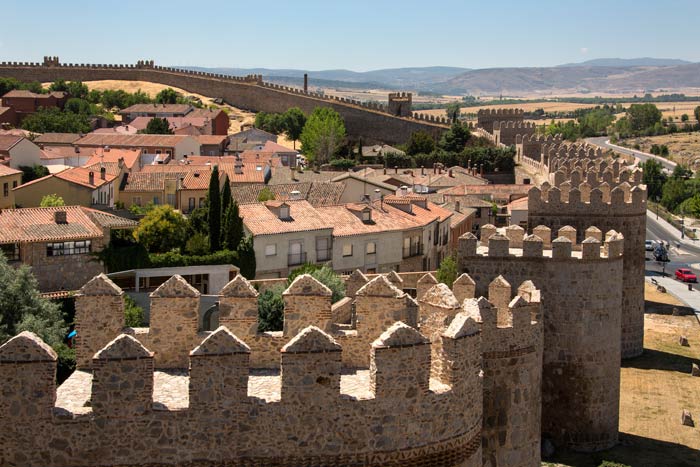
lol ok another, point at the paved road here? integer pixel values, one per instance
(603, 142)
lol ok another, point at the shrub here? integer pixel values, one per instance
(342, 164)
(271, 309)
(197, 244)
(133, 314)
(447, 272)
(324, 275)
(175, 259)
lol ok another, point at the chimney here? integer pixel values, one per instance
(106, 149)
(403, 190)
(91, 177)
(457, 206)
(377, 194)
(103, 173)
(384, 170)
(306, 83)
(396, 168)
(60, 217)
(77, 149)
(295, 195)
(481, 167)
(450, 173)
(422, 170)
(365, 199)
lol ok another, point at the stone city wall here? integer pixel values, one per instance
(622, 209)
(581, 314)
(371, 121)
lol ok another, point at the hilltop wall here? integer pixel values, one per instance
(371, 121)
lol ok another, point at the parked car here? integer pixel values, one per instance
(685, 275)
(649, 245)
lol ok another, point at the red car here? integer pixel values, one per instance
(685, 275)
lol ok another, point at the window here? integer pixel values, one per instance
(347, 249)
(477, 215)
(284, 212)
(136, 200)
(323, 249)
(201, 202)
(367, 216)
(68, 248)
(270, 250)
(156, 200)
(171, 199)
(11, 251)
(14, 184)
(190, 204)
(6, 189)
(371, 248)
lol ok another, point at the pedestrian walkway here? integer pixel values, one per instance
(678, 289)
(673, 233)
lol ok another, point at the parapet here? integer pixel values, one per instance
(538, 245)
(583, 200)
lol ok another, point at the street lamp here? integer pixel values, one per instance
(682, 225)
(657, 208)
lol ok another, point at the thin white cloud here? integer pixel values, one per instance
(584, 50)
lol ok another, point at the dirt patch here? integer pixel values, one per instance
(655, 388)
(683, 148)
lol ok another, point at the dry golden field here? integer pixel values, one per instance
(683, 148)
(655, 388)
(237, 116)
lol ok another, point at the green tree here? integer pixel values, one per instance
(246, 258)
(197, 244)
(684, 118)
(158, 126)
(696, 112)
(456, 138)
(78, 106)
(232, 227)
(23, 309)
(167, 96)
(294, 121)
(214, 211)
(323, 133)
(51, 200)
(452, 111)
(266, 195)
(33, 172)
(162, 229)
(654, 178)
(226, 197)
(53, 120)
(447, 272)
(325, 275)
(59, 85)
(133, 314)
(420, 142)
(643, 116)
(198, 221)
(271, 309)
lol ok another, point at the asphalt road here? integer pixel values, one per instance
(685, 256)
(602, 141)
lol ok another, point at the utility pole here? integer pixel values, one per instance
(682, 225)
(657, 208)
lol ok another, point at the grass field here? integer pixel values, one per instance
(237, 116)
(683, 147)
(655, 388)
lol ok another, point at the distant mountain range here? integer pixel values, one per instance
(633, 75)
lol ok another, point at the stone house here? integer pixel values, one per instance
(358, 188)
(251, 138)
(212, 145)
(8, 117)
(219, 120)
(57, 242)
(16, 151)
(27, 102)
(154, 110)
(286, 235)
(9, 179)
(155, 148)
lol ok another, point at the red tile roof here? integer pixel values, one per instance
(211, 139)
(157, 108)
(197, 180)
(57, 138)
(5, 170)
(7, 142)
(271, 146)
(150, 181)
(130, 156)
(139, 140)
(81, 175)
(259, 219)
(39, 224)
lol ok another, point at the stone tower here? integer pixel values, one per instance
(400, 103)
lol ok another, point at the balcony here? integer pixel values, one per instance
(323, 255)
(295, 259)
(413, 250)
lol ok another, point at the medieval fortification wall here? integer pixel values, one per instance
(421, 399)
(374, 122)
(581, 301)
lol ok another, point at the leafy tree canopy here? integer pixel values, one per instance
(51, 200)
(323, 133)
(158, 126)
(161, 229)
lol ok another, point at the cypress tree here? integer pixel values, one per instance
(232, 227)
(246, 258)
(225, 195)
(214, 211)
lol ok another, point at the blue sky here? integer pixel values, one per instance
(358, 35)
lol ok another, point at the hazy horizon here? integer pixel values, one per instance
(362, 36)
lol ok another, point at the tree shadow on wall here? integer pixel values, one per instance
(659, 360)
(633, 451)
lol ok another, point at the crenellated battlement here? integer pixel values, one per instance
(486, 118)
(506, 133)
(583, 200)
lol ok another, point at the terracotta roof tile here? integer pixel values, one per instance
(149, 181)
(260, 219)
(57, 138)
(5, 170)
(81, 175)
(130, 156)
(211, 139)
(138, 140)
(157, 108)
(317, 194)
(39, 225)
(197, 180)
(7, 142)
(271, 146)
